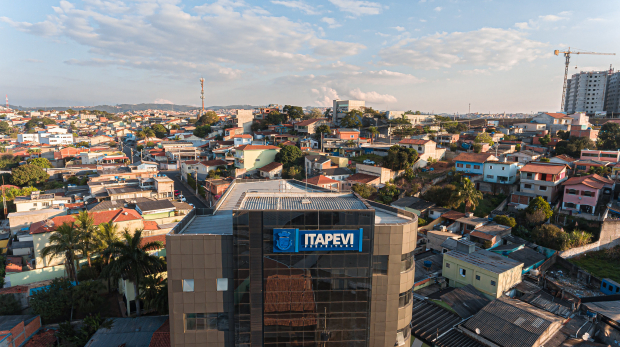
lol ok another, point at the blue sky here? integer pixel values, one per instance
(428, 55)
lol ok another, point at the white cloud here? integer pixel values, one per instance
(373, 97)
(224, 39)
(331, 22)
(423, 20)
(298, 5)
(325, 96)
(162, 101)
(30, 60)
(494, 48)
(398, 28)
(540, 21)
(358, 8)
(437, 9)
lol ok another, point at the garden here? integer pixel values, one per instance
(602, 264)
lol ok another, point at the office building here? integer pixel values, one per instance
(341, 107)
(279, 263)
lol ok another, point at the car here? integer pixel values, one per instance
(192, 205)
(369, 162)
(182, 198)
(176, 193)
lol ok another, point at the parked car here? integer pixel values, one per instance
(182, 198)
(177, 193)
(192, 205)
(369, 162)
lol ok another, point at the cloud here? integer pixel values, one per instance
(224, 39)
(541, 21)
(423, 20)
(373, 97)
(499, 49)
(33, 60)
(325, 96)
(437, 9)
(358, 8)
(331, 22)
(298, 5)
(162, 101)
(398, 28)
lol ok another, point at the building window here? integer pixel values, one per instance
(503, 168)
(222, 284)
(571, 191)
(569, 205)
(468, 166)
(490, 167)
(463, 272)
(542, 188)
(459, 165)
(581, 167)
(206, 321)
(406, 261)
(380, 264)
(490, 176)
(404, 299)
(493, 283)
(448, 265)
(527, 186)
(477, 167)
(188, 285)
(587, 193)
(478, 277)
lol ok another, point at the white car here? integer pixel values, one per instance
(192, 205)
(369, 162)
(182, 198)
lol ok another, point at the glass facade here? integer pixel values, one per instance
(318, 298)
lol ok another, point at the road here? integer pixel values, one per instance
(189, 194)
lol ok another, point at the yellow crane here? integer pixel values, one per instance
(567, 56)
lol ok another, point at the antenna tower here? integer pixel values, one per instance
(202, 94)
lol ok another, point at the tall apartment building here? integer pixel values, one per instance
(278, 263)
(341, 107)
(612, 95)
(585, 92)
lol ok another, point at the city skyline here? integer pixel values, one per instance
(428, 55)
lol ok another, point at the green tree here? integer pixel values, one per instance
(550, 236)
(466, 193)
(82, 144)
(539, 204)
(545, 140)
(289, 155)
(373, 132)
(9, 305)
(202, 130)
(518, 147)
(484, 138)
(399, 158)
(352, 119)
(154, 293)
(9, 161)
(364, 190)
(87, 296)
(328, 113)
(208, 118)
(5, 128)
(314, 114)
(564, 135)
(64, 242)
(131, 260)
(54, 301)
(139, 148)
(40, 162)
(275, 118)
(160, 131)
(573, 146)
(90, 241)
(28, 174)
(609, 136)
(389, 193)
(321, 129)
(294, 112)
(477, 148)
(505, 220)
(599, 170)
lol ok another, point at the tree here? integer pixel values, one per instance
(9, 305)
(207, 118)
(131, 260)
(160, 131)
(550, 236)
(328, 113)
(466, 193)
(54, 301)
(321, 129)
(477, 148)
(28, 174)
(352, 119)
(9, 161)
(484, 138)
(5, 128)
(202, 130)
(82, 144)
(373, 131)
(518, 147)
(275, 118)
(399, 158)
(539, 204)
(545, 140)
(65, 241)
(289, 155)
(40, 162)
(388, 193)
(154, 293)
(139, 148)
(573, 146)
(505, 220)
(314, 114)
(564, 135)
(90, 241)
(87, 296)
(609, 136)
(364, 190)
(599, 170)
(294, 112)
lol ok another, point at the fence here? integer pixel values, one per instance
(37, 275)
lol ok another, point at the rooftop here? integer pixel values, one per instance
(486, 260)
(307, 201)
(128, 332)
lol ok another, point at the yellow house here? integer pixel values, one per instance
(490, 273)
(4, 242)
(252, 157)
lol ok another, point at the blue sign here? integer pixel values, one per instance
(295, 240)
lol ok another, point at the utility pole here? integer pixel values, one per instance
(132, 155)
(196, 171)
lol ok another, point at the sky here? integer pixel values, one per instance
(427, 55)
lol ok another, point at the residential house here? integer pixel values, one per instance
(447, 139)
(472, 164)
(416, 205)
(347, 134)
(360, 178)
(489, 234)
(490, 273)
(504, 172)
(584, 131)
(521, 200)
(543, 179)
(563, 159)
(272, 170)
(469, 223)
(582, 194)
(531, 127)
(164, 187)
(200, 168)
(427, 149)
(151, 209)
(584, 165)
(252, 157)
(316, 163)
(243, 139)
(554, 121)
(385, 174)
(244, 119)
(215, 188)
(593, 154)
(337, 173)
(523, 157)
(309, 126)
(324, 182)
(37, 201)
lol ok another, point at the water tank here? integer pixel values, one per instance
(428, 263)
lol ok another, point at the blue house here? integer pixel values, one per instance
(610, 287)
(472, 164)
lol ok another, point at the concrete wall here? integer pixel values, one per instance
(18, 221)
(384, 173)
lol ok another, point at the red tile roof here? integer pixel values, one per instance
(161, 238)
(454, 215)
(473, 157)
(320, 180)
(99, 217)
(362, 178)
(308, 122)
(552, 169)
(46, 338)
(255, 147)
(216, 162)
(270, 167)
(413, 142)
(594, 181)
(558, 115)
(565, 158)
(161, 337)
(481, 235)
(150, 225)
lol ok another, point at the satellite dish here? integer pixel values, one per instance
(477, 331)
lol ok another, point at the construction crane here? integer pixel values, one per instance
(567, 56)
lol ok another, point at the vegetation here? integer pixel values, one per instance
(160, 131)
(599, 170)
(12, 193)
(540, 204)
(54, 301)
(321, 129)
(466, 193)
(88, 234)
(28, 174)
(388, 193)
(602, 264)
(64, 242)
(70, 337)
(9, 161)
(505, 220)
(9, 305)
(573, 146)
(40, 162)
(154, 293)
(352, 119)
(289, 155)
(208, 118)
(87, 296)
(518, 147)
(399, 158)
(38, 122)
(294, 112)
(550, 236)
(364, 190)
(202, 131)
(313, 114)
(440, 195)
(484, 138)
(609, 136)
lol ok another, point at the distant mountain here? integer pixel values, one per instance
(133, 107)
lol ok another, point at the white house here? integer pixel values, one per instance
(21, 138)
(58, 139)
(504, 172)
(243, 139)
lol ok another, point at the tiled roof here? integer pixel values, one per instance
(362, 178)
(552, 169)
(161, 337)
(473, 157)
(453, 215)
(100, 217)
(591, 162)
(270, 167)
(413, 142)
(46, 338)
(146, 239)
(307, 122)
(255, 147)
(150, 225)
(320, 180)
(558, 115)
(216, 162)
(565, 158)
(593, 181)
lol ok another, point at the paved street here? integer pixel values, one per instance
(187, 193)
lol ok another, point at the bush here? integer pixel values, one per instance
(550, 236)
(364, 190)
(87, 296)
(505, 220)
(422, 222)
(9, 305)
(53, 302)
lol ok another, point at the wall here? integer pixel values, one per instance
(384, 173)
(48, 273)
(339, 161)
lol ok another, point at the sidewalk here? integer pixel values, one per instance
(198, 196)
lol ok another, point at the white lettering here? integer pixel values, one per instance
(347, 239)
(337, 239)
(329, 237)
(319, 239)
(312, 236)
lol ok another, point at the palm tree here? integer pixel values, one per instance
(132, 261)
(466, 193)
(64, 242)
(108, 234)
(89, 235)
(373, 131)
(154, 293)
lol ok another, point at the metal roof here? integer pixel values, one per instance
(313, 201)
(429, 320)
(466, 301)
(527, 256)
(455, 338)
(129, 332)
(486, 260)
